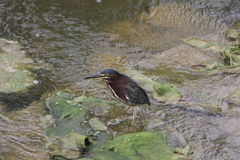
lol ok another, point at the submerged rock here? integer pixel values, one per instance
(197, 106)
(98, 106)
(186, 151)
(144, 145)
(168, 93)
(234, 98)
(206, 46)
(97, 124)
(198, 43)
(15, 77)
(69, 117)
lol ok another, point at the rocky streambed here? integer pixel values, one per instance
(193, 87)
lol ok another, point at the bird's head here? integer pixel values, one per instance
(107, 74)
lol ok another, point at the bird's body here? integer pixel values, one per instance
(123, 88)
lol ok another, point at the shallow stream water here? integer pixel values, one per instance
(73, 39)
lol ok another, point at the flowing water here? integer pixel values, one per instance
(74, 39)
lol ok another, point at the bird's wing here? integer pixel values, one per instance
(136, 94)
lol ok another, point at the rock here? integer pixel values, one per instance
(97, 124)
(69, 147)
(211, 64)
(75, 141)
(15, 78)
(168, 93)
(206, 46)
(115, 122)
(15, 81)
(234, 98)
(69, 116)
(58, 153)
(232, 34)
(98, 106)
(197, 43)
(176, 139)
(144, 145)
(47, 121)
(186, 151)
(209, 108)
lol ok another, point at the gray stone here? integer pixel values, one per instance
(232, 34)
(97, 124)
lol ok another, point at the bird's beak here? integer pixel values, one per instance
(93, 76)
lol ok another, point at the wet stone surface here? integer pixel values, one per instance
(143, 145)
(15, 77)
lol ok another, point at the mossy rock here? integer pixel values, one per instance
(14, 77)
(69, 116)
(136, 146)
(167, 93)
(16, 82)
(98, 106)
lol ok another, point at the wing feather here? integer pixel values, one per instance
(136, 94)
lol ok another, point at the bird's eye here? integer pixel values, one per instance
(104, 75)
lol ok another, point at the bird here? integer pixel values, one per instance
(124, 89)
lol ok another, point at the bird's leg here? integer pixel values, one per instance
(134, 115)
(126, 110)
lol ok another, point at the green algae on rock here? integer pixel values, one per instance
(168, 93)
(14, 77)
(143, 145)
(69, 117)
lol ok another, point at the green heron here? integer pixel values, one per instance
(124, 89)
